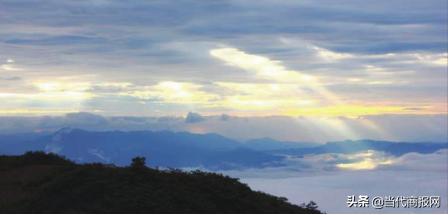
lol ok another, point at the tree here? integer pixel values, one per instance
(138, 163)
(311, 205)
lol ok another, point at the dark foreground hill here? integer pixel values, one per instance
(46, 183)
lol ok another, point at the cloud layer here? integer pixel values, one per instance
(315, 177)
(236, 57)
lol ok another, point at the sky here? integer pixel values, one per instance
(238, 57)
(292, 70)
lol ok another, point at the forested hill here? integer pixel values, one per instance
(46, 183)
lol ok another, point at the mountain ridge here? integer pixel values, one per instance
(165, 148)
(186, 150)
(37, 182)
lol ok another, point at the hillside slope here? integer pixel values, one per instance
(46, 183)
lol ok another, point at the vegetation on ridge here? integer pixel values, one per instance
(47, 183)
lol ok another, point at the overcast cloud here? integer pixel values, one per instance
(155, 57)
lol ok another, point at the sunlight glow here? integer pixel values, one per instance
(48, 97)
(174, 92)
(330, 55)
(435, 59)
(10, 67)
(343, 110)
(273, 71)
(294, 84)
(366, 161)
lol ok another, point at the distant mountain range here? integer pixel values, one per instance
(394, 148)
(182, 149)
(268, 144)
(168, 149)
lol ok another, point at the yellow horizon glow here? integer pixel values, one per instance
(35, 112)
(275, 91)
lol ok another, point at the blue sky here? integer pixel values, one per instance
(331, 58)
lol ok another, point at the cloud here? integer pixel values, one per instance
(174, 92)
(12, 78)
(298, 93)
(85, 119)
(356, 53)
(311, 178)
(10, 66)
(262, 66)
(421, 162)
(55, 40)
(301, 189)
(225, 117)
(193, 118)
(330, 55)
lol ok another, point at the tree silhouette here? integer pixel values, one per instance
(311, 205)
(95, 188)
(138, 163)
